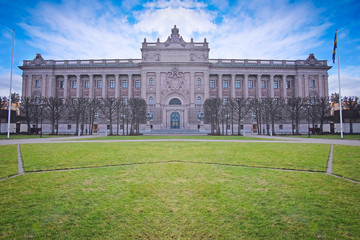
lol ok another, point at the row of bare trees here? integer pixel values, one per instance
(222, 114)
(83, 112)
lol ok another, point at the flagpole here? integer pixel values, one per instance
(340, 100)
(9, 105)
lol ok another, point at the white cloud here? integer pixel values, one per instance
(5, 82)
(349, 78)
(92, 29)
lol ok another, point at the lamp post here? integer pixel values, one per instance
(308, 118)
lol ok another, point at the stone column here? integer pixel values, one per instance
(271, 86)
(192, 89)
(258, 86)
(78, 86)
(220, 82)
(306, 84)
(104, 86)
(246, 86)
(157, 84)
(91, 86)
(284, 95)
(52, 81)
(23, 86)
(233, 85)
(29, 85)
(117, 93)
(326, 85)
(298, 86)
(43, 85)
(130, 88)
(143, 86)
(206, 85)
(321, 86)
(66, 77)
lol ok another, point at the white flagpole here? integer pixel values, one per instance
(340, 101)
(9, 105)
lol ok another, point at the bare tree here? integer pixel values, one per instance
(76, 108)
(351, 106)
(272, 112)
(137, 108)
(241, 108)
(295, 108)
(108, 108)
(212, 112)
(92, 108)
(54, 108)
(257, 108)
(323, 106)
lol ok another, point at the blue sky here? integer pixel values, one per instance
(257, 29)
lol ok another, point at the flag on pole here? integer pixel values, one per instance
(335, 46)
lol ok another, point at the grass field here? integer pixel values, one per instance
(8, 160)
(73, 155)
(15, 136)
(346, 161)
(349, 137)
(181, 200)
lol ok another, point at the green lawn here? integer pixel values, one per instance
(72, 155)
(178, 201)
(346, 161)
(8, 160)
(350, 137)
(174, 137)
(15, 136)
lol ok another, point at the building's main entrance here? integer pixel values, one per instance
(175, 120)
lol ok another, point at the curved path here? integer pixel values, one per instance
(261, 139)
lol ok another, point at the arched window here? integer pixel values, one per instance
(198, 100)
(175, 101)
(151, 100)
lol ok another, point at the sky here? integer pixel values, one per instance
(242, 29)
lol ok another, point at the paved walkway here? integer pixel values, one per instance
(274, 139)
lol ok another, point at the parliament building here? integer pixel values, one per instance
(175, 77)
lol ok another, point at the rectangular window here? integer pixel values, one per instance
(251, 84)
(281, 127)
(112, 83)
(69, 127)
(151, 81)
(276, 84)
(288, 84)
(74, 84)
(87, 84)
(225, 84)
(125, 101)
(263, 84)
(137, 84)
(224, 101)
(312, 83)
(237, 84)
(199, 81)
(61, 84)
(124, 84)
(99, 84)
(37, 83)
(212, 84)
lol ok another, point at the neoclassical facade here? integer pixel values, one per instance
(175, 77)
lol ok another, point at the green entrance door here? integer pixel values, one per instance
(175, 120)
